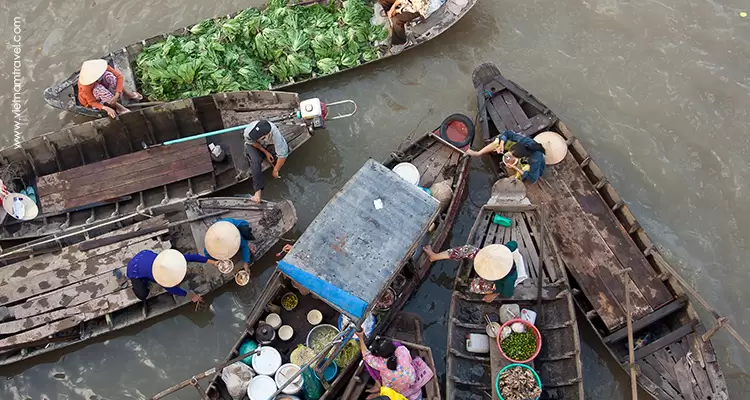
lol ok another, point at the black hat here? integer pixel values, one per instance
(261, 128)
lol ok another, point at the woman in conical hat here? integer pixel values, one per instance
(168, 269)
(522, 156)
(100, 86)
(226, 237)
(494, 265)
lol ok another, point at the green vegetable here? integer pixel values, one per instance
(257, 49)
(519, 346)
(347, 354)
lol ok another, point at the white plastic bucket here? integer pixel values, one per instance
(267, 362)
(284, 373)
(261, 387)
(477, 343)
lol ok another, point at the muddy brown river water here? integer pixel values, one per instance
(658, 91)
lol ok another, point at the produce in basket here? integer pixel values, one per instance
(519, 346)
(347, 354)
(258, 48)
(518, 383)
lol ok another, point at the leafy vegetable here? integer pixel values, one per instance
(257, 49)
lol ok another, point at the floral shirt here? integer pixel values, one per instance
(402, 378)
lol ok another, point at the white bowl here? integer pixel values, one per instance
(261, 388)
(314, 317)
(286, 332)
(408, 172)
(274, 320)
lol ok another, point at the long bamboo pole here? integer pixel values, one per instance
(629, 319)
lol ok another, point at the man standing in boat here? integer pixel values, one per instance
(168, 269)
(258, 135)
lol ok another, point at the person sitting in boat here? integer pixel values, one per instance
(258, 135)
(495, 264)
(168, 269)
(399, 12)
(521, 155)
(100, 86)
(227, 236)
(394, 363)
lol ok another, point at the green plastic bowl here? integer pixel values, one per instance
(497, 378)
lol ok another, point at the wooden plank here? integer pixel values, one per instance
(656, 316)
(617, 239)
(113, 175)
(125, 174)
(665, 340)
(591, 241)
(665, 390)
(684, 379)
(433, 168)
(75, 294)
(570, 233)
(515, 109)
(702, 384)
(73, 273)
(665, 364)
(42, 332)
(26, 324)
(176, 172)
(531, 247)
(497, 362)
(48, 183)
(539, 122)
(498, 108)
(26, 269)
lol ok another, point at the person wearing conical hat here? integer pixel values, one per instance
(168, 269)
(259, 135)
(522, 156)
(495, 266)
(226, 237)
(100, 86)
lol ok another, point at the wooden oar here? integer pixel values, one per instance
(629, 319)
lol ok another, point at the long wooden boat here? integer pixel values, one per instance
(69, 296)
(98, 171)
(436, 161)
(407, 329)
(64, 94)
(598, 237)
(559, 361)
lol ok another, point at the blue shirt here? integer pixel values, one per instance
(535, 160)
(141, 266)
(244, 247)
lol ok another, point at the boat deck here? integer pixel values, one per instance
(558, 363)
(595, 248)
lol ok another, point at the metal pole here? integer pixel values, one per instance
(219, 132)
(202, 375)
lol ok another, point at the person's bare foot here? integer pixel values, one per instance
(428, 250)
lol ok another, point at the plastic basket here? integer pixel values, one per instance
(497, 378)
(528, 326)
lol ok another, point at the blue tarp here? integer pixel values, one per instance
(342, 300)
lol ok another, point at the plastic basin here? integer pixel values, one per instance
(497, 378)
(528, 326)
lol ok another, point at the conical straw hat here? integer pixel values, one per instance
(493, 262)
(169, 268)
(91, 71)
(30, 208)
(554, 146)
(222, 240)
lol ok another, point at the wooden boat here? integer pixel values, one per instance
(599, 237)
(406, 328)
(435, 160)
(64, 94)
(559, 361)
(69, 296)
(99, 172)
(347, 259)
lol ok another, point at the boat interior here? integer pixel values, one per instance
(105, 169)
(558, 364)
(67, 295)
